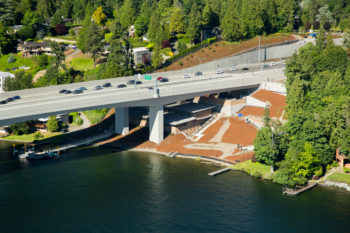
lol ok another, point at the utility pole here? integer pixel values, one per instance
(259, 51)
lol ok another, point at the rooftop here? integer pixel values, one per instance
(140, 49)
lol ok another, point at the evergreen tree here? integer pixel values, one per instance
(7, 12)
(193, 27)
(93, 41)
(127, 14)
(157, 58)
(52, 124)
(177, 22)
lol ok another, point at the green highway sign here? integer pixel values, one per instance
(148, 77)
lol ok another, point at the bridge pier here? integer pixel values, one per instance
(156, 124)
(121, 121)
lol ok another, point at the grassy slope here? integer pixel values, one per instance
(82, 64)
(95, 116)
(20, 61)
(255, 169)
(339, 177)
(30, 137)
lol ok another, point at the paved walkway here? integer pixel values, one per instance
(220, 134)
(227, 149)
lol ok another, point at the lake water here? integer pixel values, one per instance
(97, 190)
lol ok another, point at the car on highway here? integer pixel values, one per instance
(78, 91)
(121, 86)
(98, 88)
(198, 73)
(107, 85)
(219, 71)
(164, 80)
(264, 66)
(186, 76)
(245, 68)
(130, 82)
(63, 91)
(234, 69)
(3, 102)
(67, 92)
(82, 88)
(138, 82)
(9, 99)
(159, 78)
(17, 97)
(273, 64)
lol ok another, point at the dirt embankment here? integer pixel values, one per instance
(224, 49)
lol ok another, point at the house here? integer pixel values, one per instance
(3, 77)
(341, 158)
(141, 56)
(29, 48)
(15, 28)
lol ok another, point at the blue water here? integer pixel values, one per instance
(96, 190)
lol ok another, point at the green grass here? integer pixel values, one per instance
(82, 64)
(95, 116)
(20, 61)
(339, 177)
(30, 137)
(255, 169)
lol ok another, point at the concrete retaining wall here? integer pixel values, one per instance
(251, 101)
(275, 87)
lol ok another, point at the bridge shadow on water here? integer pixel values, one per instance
(10, 163)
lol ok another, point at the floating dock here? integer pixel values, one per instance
(303, 189)
(225, 169)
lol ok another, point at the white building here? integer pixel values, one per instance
(3, 77)
(141, 55)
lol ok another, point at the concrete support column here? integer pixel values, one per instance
(156, 124)
(122, 120)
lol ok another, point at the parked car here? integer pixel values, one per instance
(98, 88)
(17, 97)
(3, 102)
(186, 76)
(121, 86)
(219, 71)
(245, 68)
(62, 91)
(234, 69)
(198, 73)
(67, 92)
(273, 64)
(164, 80)
(78, 91)
(107, 85)
(82, 88)
(130, 82)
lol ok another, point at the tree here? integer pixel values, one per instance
(316, 25)
(157, 58)
(141, 25)
(265, 149)
(325, 15)
(194, 23)
(177, 21)
(120, 59)
(127, 14)
(6, 12)
(231, 24)
(20, 128)
(327, 26)
(22, 80)
(52, 124)
(307, 26)
(6, 41)
(93, 41)
(267, 118)
(98, 16)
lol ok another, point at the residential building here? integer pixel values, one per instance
(3, 77)
(141, 56)
(29, 48)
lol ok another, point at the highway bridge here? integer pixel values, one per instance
(47, 101)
